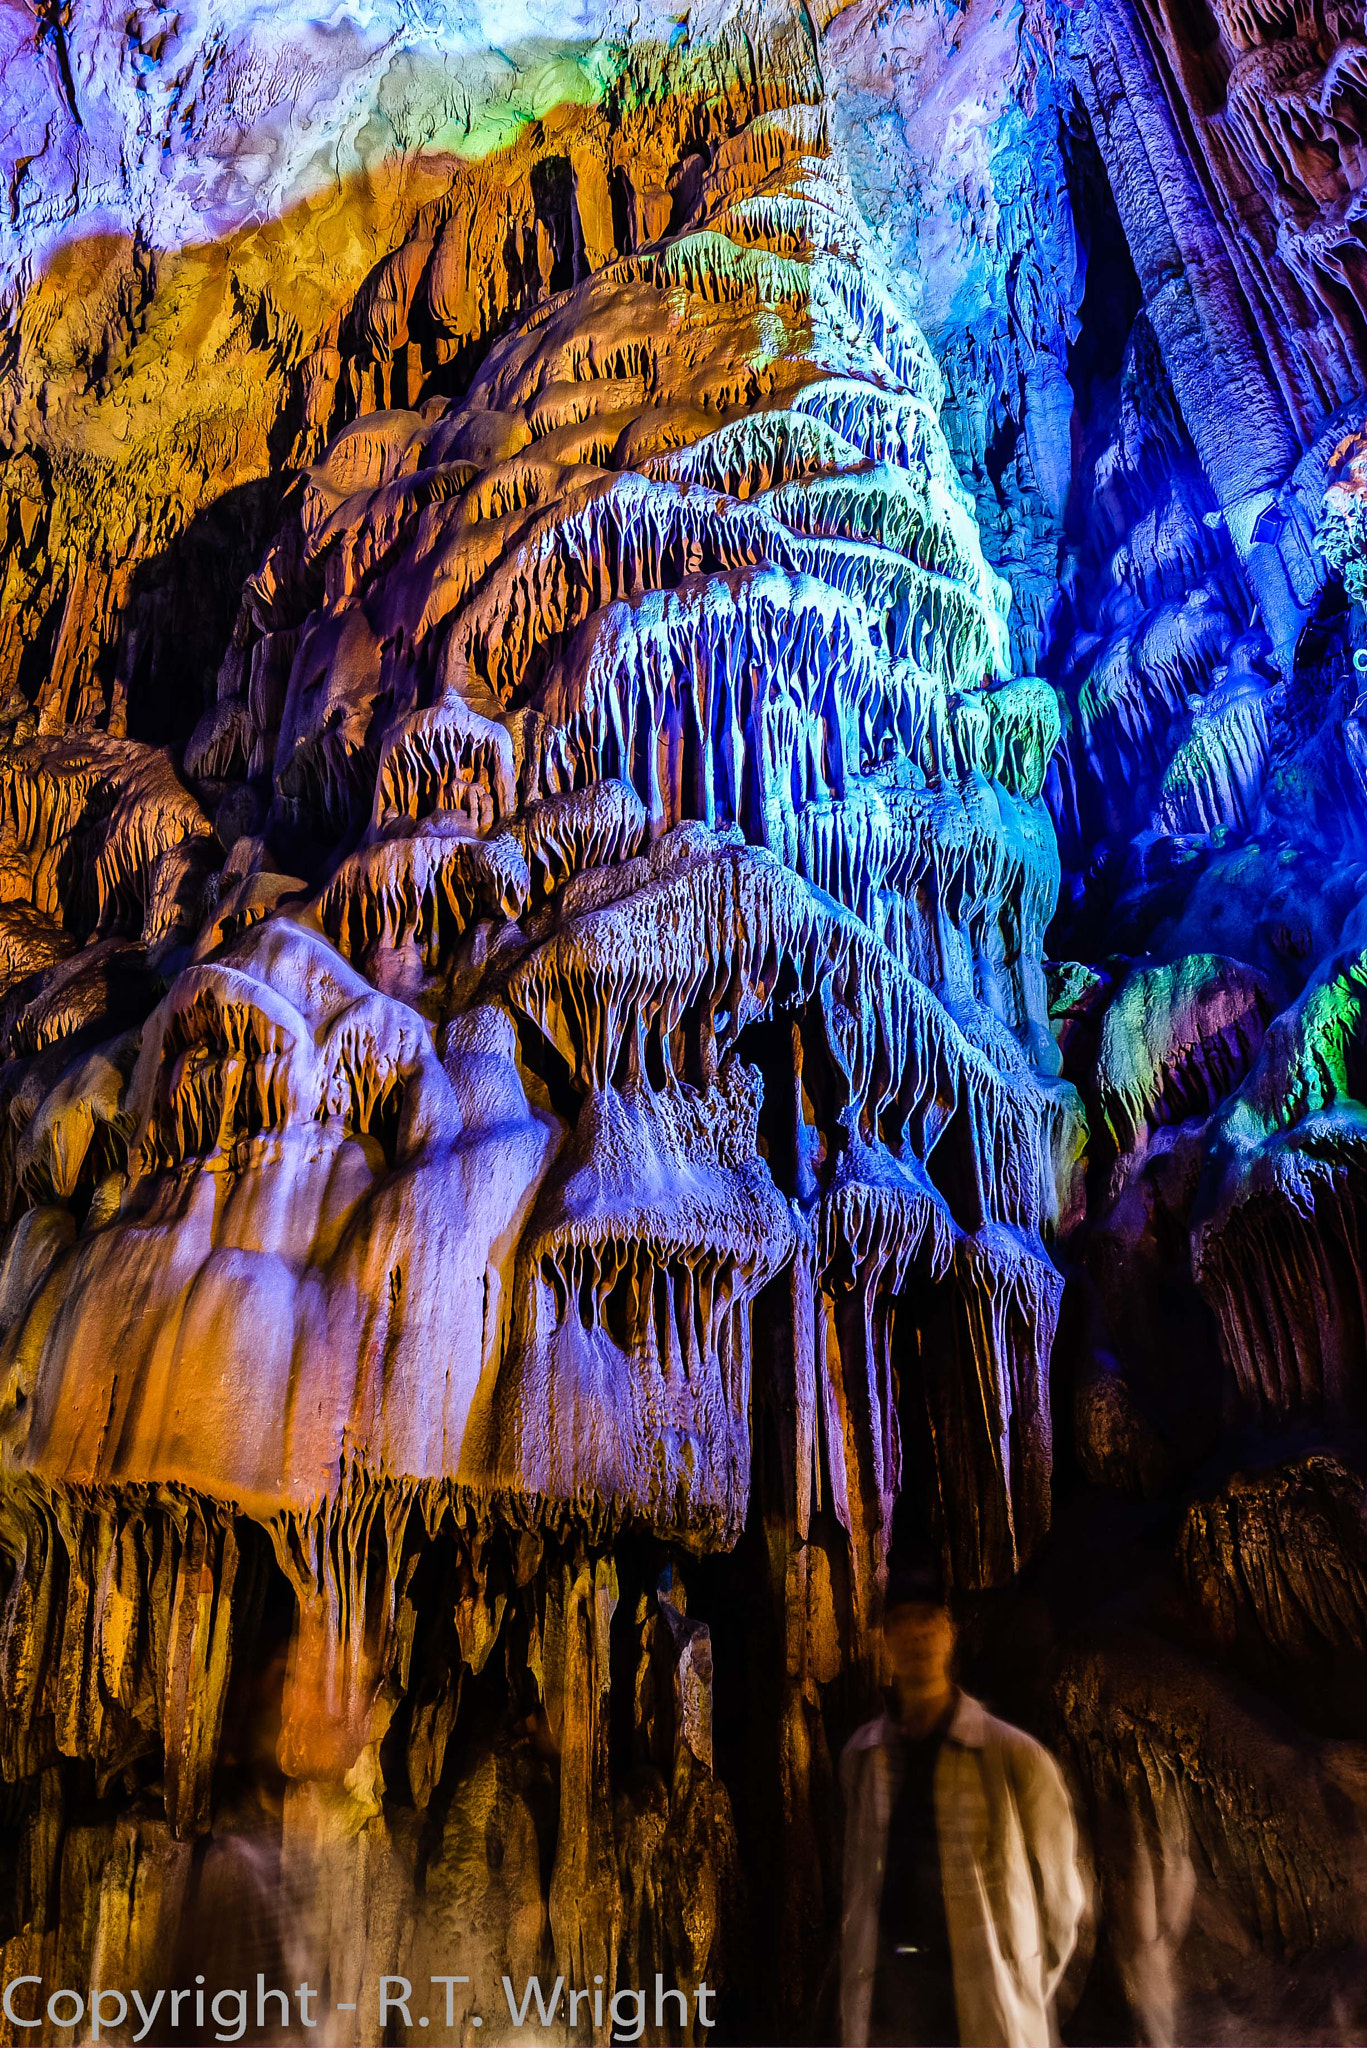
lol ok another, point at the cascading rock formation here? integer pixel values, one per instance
(653, 1035)
(584, 1044)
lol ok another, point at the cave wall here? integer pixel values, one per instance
(680, 845)
(1206, 956)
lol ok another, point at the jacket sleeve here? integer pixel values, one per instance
(1046, 1813)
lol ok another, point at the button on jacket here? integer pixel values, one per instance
(1008, 1861)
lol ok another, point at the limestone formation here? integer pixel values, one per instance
(586, 995)
(681, 866)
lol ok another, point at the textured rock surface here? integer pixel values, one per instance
(681, 837)
(576, 991)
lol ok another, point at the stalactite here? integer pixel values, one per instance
(612, 936)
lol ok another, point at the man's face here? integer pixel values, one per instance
(920, 1644)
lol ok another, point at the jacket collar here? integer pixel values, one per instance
(967, 1728)
(969, 1725)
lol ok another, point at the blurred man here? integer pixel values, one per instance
(962, 1892)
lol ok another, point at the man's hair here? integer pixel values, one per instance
(915, 1582)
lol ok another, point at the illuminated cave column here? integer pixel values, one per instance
(649, 1033)
(684, 600)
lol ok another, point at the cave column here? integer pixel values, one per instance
(1233, 399)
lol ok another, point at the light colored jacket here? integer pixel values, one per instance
(1008, 1861)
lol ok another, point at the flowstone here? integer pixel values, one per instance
(567, 1092)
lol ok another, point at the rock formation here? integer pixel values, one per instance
(578, 991)
(681, 794)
